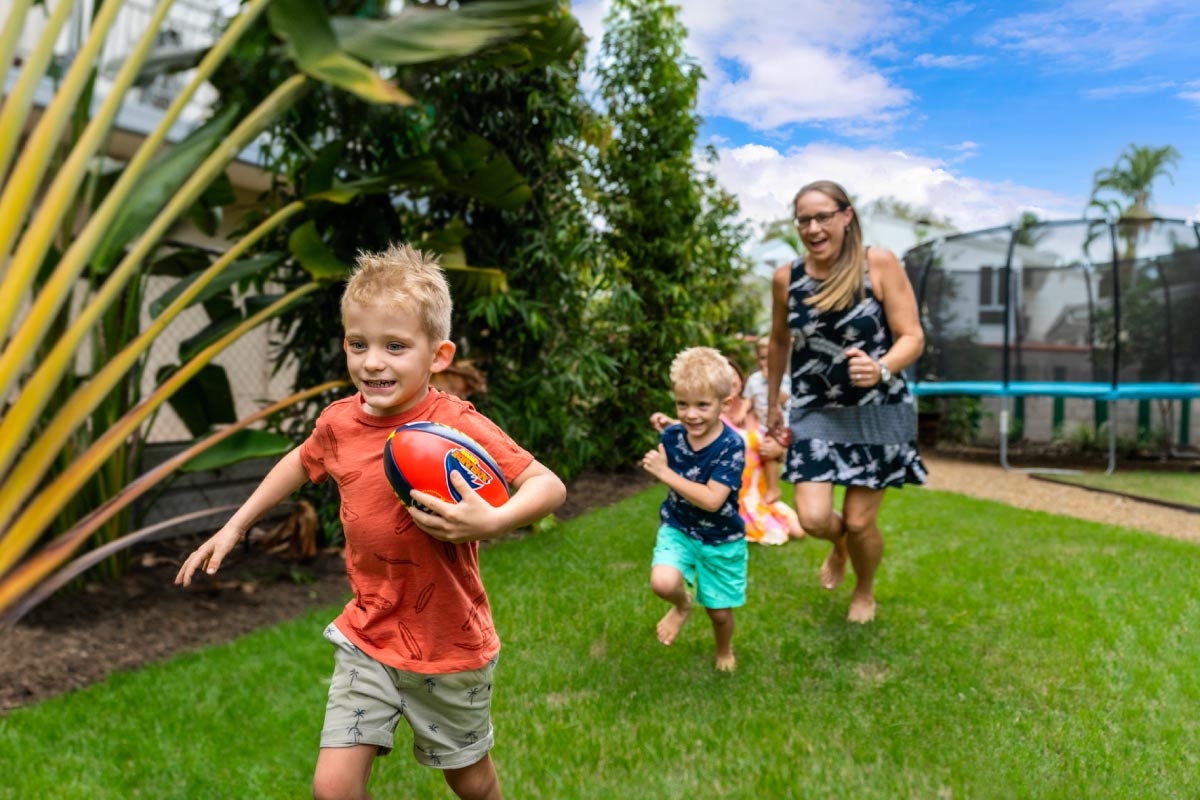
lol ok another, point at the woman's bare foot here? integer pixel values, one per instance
(862, 609)
(833, 571)
(726, 662)
(672, 622)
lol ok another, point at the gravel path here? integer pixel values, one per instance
(992, 482)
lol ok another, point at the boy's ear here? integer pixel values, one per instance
(443, 355)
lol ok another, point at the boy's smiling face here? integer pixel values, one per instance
(390, 357)
(700, 412)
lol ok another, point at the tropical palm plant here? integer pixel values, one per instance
(50, 417)
(1132, 177)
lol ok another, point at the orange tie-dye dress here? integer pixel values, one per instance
(766, 523)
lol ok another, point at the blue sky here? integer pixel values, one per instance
(975, 111)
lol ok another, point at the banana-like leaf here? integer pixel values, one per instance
(210, 333)
(447, 243)
(305, 26)
(27, 577)
(243, 445)
(235, 273)
(205, 401)
(22, 186)
(40, 387)
(21, 581)
(17, 536)
(475, 167)
(162, 180)
(420, 35)
(61, 284)
(318, 260)
(19, 101)
(11, 35)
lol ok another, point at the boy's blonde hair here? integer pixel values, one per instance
(406, 278)
(702, 369)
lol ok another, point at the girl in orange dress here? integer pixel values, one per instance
(766, 523)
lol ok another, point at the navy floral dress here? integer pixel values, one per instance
(845, 434)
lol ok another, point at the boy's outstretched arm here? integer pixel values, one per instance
(284, 478)
(536, 492)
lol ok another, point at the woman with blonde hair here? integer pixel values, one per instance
(844, 323)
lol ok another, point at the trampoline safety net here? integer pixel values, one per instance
(1082, 301)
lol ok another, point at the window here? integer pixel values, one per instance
(993, 294)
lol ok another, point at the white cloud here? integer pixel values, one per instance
(772, 63)
(1191, 92)
(801, 84)
(765, 179)
(948, 61)
(1147, 86)
(1085, 34)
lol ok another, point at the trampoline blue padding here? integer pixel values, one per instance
(1088, 391)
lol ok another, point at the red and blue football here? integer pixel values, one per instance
(423, 456)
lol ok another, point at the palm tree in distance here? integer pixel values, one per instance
(1131, 177)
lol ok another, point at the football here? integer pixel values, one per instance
(423, 456)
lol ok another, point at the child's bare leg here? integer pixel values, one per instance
(722, 622)
(667, 583)
(771, 469)
(479, 781)
(795, 531)
(343, 772)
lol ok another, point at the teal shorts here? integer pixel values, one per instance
(717, 571)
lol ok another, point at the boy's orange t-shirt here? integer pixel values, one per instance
(419, 603)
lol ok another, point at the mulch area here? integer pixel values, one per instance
(77, 638)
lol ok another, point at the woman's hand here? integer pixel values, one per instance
(864, 370)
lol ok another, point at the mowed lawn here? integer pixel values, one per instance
(1016, 654)
(1173, 487)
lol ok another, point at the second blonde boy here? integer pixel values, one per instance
(701, 539)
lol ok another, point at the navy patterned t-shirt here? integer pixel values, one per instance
(721, 460)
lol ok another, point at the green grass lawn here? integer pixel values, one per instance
(1016, 654)
(1174, 487)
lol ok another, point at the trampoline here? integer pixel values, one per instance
(1092, 309)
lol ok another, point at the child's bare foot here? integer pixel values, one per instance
(862, 609)
(772, 495)
(726, 662)
(833, 571)
(672, 622)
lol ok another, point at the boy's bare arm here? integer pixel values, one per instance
(284, 478)
(708, 496)
(537, 492)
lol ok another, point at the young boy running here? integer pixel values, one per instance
(702, 539)
(416, 641)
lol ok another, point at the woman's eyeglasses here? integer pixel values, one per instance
(823, 219)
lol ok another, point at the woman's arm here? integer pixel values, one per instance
(778, 349)
(895, 293)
